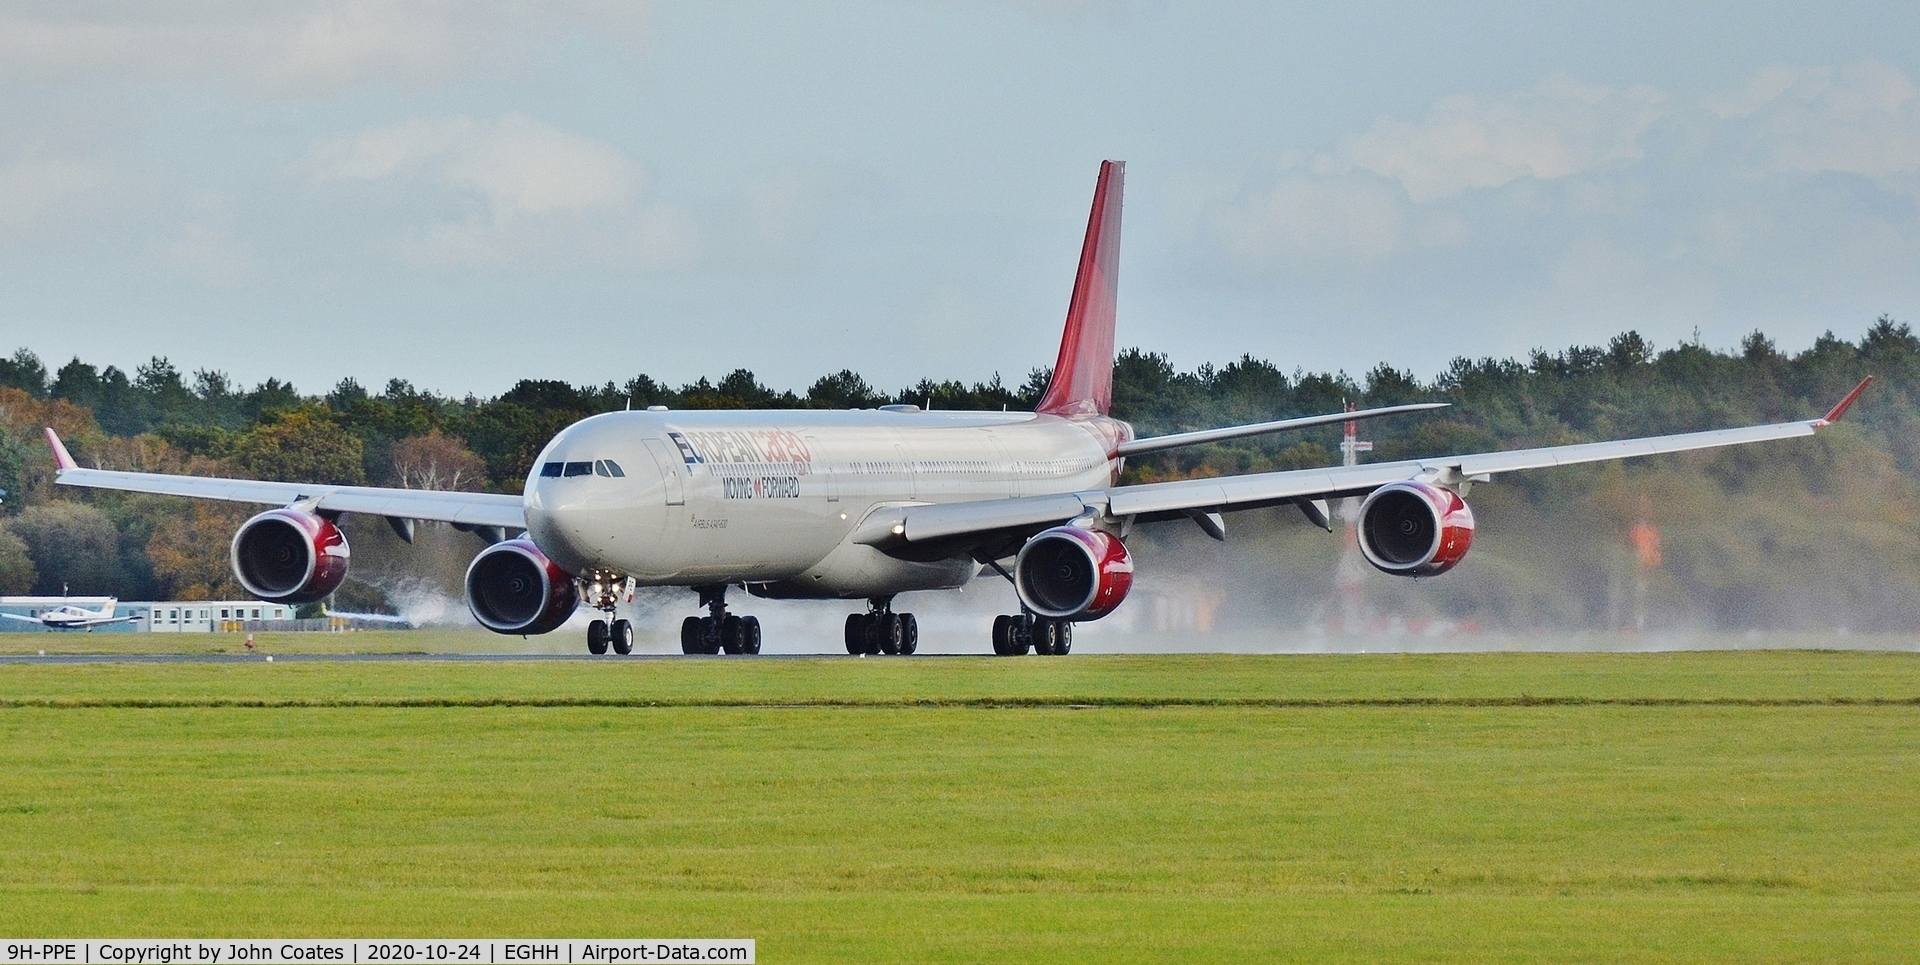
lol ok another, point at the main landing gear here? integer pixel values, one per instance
(880, 630)
(1013, 634)
(719, 630)
(603, 592)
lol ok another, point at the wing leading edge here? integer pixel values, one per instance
(471, 509)
(953, 522)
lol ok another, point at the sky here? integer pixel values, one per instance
(464, 195)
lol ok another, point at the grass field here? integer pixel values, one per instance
(1481, 807)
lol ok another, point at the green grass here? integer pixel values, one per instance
(974, 809)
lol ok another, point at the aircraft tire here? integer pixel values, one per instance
(620, 635)
(1026, 635)
(856, 633)
(1003, 636)
(730, 637)
(690, 634)
(750, 635)
(1062, 638)
(909, 634)
(888, 637)
(597, 637)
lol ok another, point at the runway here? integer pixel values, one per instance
(83, 658)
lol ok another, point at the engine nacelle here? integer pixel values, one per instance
(1415, 529)
(1069, 573)
(289, 556)
(513, 588)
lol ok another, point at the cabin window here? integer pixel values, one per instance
(551, 470)
(578, 469)
(607, 467)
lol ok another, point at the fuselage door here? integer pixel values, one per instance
(671, 471)
(829, 480)
(1003, 474)
(908, 472)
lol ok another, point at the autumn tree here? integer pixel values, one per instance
(436, 461)
(188, 550)
(301, 445)
(72, 545)
(17, 572)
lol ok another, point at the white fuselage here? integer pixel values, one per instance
(71, 617)
(775, 497)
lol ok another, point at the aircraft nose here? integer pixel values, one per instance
(589, 513)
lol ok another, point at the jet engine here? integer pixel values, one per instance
(289, 556)
(513, 588)
(1415, 529)
(1069, 573)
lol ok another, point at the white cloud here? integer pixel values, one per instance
(1559, 128)
(1305, 220)
(34, 187)
(517, 165)
(1862, 119)
(286, 49)
(506, 191)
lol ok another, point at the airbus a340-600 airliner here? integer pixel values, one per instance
(868, 504)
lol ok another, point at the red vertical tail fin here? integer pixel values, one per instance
(1083, 376)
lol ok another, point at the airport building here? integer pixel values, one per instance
(178, 616)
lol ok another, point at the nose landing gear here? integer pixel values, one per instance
(719, 630)
(603, 591)
(880, 630)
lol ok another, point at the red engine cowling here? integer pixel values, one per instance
(1069, 573)
(1415, 529)
(513, 588)
(289, 556)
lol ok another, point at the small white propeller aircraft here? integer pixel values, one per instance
(868, 504)
(70, 617)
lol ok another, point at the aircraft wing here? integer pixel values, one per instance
(979, 523)
(471, 509)
(102, 623)
(1135, 447)
(16, 616)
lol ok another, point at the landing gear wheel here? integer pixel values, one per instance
(870, 634)
(1043, 636)
(690, 636)
(909, 634)
(730, 640)
(1013, 634)
(749, 635)
(621, 637)
(597, 637)
(856, 633)
(887, 635)
(1062, 638)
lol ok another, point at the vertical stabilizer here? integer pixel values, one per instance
(1083, 376)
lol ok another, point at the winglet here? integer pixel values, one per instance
(61, 458)
(1083, 376)
(1833, 415)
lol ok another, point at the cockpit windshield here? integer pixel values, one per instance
(598, 467)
